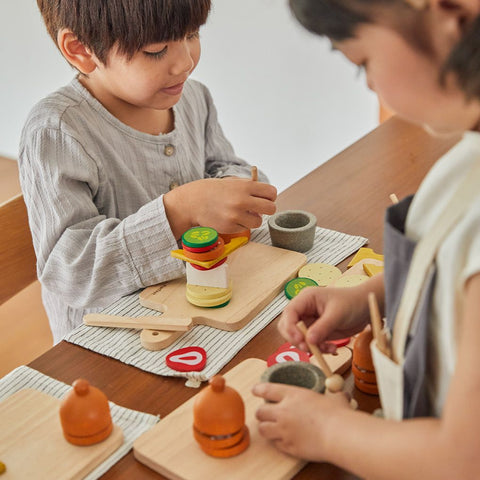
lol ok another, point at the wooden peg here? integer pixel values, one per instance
(393, 198)
(334, 382)
(377, 327)
(254, 174)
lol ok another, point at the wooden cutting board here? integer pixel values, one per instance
(258, 273)
(32, 445)
(170, 449)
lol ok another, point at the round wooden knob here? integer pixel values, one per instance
(85, 414)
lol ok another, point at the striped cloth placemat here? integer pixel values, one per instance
(221, 346)
(132, 423)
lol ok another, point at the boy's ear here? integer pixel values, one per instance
(75, 52)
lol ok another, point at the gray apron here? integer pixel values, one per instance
(398, 252)
(409, 281)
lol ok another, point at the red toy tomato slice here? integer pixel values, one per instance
(188, 359)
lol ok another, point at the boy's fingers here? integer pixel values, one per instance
(264, 190)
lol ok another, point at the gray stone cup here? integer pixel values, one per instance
(293, 230)
(300, 374)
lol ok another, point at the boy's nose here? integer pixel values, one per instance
(182, 60)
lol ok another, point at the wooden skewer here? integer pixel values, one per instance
(254, 174)
(315, 351)
(377, 327)
(394, 198)
(334, 382)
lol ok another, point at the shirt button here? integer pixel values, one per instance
(173, 184)
(169, 150)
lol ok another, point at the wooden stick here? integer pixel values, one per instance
(315, 351)
(254, 174)
(377, 326)
(394, 198)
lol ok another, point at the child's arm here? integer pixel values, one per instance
(329, 312)
(324, 428)
(85, 253)
(226, 204)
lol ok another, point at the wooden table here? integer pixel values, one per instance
(349, 193)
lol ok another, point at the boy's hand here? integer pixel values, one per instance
(228, 204)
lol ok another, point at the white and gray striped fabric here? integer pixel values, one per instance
(221, 346)
(132, 423)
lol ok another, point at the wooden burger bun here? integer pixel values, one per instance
(219, 420)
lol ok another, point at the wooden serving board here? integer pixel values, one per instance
(258, 273)
(170, 449)
(32, 444)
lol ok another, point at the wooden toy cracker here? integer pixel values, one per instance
(322, 273)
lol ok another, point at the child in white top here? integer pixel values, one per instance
(422, 60)
(117, 165)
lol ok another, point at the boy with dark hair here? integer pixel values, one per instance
(118, 164)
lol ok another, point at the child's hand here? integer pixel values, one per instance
(329, 313)
(228, 204)
(297, 422)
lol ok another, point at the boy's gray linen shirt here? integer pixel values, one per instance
(94, 192)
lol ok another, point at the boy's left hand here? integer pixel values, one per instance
(297, 419)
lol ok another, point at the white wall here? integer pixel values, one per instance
(285, 101)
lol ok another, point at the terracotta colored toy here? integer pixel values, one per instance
(219, 420)
(362, 365)
(85, 414)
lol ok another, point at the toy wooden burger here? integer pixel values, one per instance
(362, 364)
(85, 414)
(205, 253)
(219, 420)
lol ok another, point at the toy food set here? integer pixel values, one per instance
(257, 273)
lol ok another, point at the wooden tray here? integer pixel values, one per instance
(258, 273)
(170, 449)
(32, 445)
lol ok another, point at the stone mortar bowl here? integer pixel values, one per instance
(300, 374)
(292, 229)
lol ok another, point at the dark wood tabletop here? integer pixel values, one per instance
(349, 193)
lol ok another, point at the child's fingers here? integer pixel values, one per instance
(271, 392)
(263, 190)
(262, 206)
(269, 430)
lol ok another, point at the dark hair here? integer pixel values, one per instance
(335, 19)
(464, 61)
(128, 24)
(338, 20)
